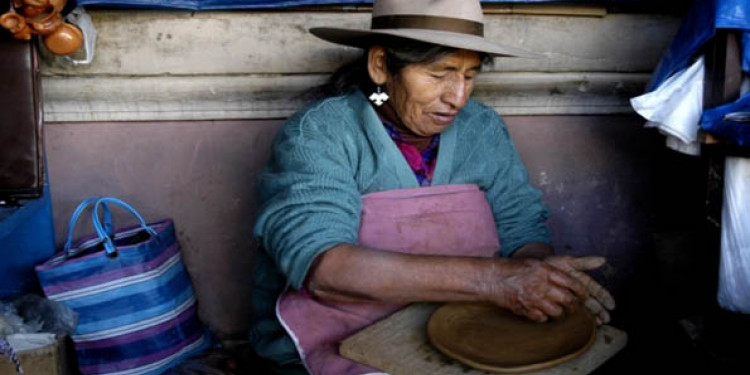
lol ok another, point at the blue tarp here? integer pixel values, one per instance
(699, 27)
(267, 4)
(27, 238)
(730, 121)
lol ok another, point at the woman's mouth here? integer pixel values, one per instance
(443, 118)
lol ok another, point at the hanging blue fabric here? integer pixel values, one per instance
(27, 237)
(699, 27)
(730, 121)
(271, 4)
(735, 14)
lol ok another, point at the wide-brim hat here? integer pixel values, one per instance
(450, 23)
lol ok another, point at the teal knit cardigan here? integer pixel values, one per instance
(336, 150)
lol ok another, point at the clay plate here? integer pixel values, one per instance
(493, 339)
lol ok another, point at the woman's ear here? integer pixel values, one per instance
(376, 65)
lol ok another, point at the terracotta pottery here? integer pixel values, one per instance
(57, 5)
(42, 17)
(37, 3)
(66, 40)
(47, 24)
(493, 339)
(12, 21)
(32, 11)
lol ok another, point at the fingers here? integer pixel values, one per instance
(574, 266)
(562, 297)
(587, 263)
(595, 289)
(550, 309)
(570, 282)
(569, 263)
(559, 301)
(553, 303)
(600, 294)
(598, 310)
(598, 300)
(535, 315)
(543, 289)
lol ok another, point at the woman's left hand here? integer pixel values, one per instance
(600, 301)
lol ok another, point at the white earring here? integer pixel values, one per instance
(379, 97)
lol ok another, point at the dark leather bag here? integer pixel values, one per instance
(21, 145)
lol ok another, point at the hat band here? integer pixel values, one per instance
(437, 23)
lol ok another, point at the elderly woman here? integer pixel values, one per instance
(400, 188)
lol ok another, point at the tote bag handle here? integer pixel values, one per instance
(74, 219)
(106, 237)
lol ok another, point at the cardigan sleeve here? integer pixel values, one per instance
(520, 214)
(309, 201)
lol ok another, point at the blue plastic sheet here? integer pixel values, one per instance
(267, 4)
(26, 239)
(699, 27)
(730, 121)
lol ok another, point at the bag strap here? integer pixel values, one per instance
(109, 245)
(74, 219)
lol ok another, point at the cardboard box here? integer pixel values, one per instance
(47, 360)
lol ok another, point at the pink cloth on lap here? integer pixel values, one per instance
(439, 220)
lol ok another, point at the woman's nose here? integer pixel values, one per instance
(456, 93)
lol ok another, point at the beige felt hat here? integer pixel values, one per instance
(451, 23)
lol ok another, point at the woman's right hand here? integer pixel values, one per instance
(533, 288)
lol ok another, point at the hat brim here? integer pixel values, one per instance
(365, 38)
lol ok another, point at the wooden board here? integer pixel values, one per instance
(399, 346)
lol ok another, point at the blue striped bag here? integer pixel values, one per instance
(136, 305)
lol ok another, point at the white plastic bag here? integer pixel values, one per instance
(675, 108)
(734, 267)
(80, 18)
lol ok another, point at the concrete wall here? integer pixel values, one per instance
(201, 174)
(239, 65)
(611, 186)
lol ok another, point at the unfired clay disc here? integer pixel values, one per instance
(493, 339)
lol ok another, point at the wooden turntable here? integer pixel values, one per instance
(399, 345)
(493, 339)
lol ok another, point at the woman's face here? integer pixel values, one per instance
(427, 97)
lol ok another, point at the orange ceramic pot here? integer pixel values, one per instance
(66, 40)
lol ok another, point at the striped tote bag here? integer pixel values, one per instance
(136, 305)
